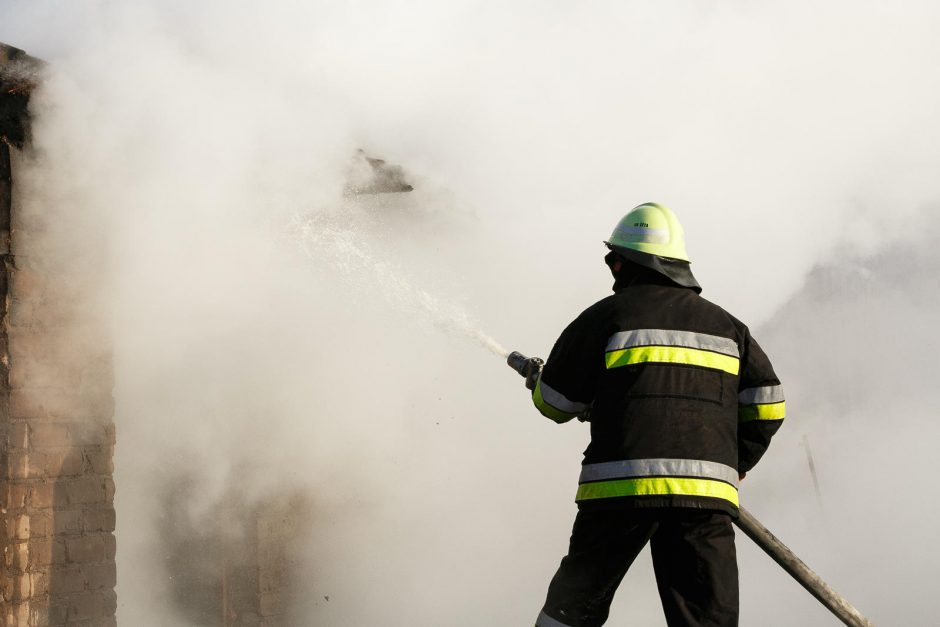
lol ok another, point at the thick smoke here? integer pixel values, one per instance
(261, 353)
(857, 340)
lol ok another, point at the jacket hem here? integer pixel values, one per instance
(650, 502)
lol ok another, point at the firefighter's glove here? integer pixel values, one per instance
(533, 368)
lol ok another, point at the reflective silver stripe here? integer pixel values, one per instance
(658, 468)
(544, 620)
(559, 401)
(642, 234)
(665, 337)
(762, 395)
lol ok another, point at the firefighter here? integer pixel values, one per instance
(682, 402)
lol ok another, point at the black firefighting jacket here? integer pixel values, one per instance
(680, 397)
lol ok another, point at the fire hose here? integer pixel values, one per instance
(530, 368)
(788, 560)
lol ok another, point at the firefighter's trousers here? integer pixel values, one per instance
(693, 557)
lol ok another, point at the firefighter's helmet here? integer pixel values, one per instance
(652, 229)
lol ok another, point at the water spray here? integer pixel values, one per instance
(324, 239)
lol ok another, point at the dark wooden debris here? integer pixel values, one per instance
(370, 175)
(19, 75)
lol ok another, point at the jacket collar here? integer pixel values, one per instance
(648, 268)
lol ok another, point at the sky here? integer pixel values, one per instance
(272, 336)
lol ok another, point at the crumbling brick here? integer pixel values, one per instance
(21, 613)
(87, 433)
(18, 557)
(66, 580)
(22, 587)
(56, 429)
(99, 461)
(88, 403)
(110, 546)
(21, 527)
(44, 495)
(49, 375)
(24, 406)
(41, 523)
(88, 548)
(45, 552)
(6, 589)
(68, 521)
(17, 465)
(85, 606)
(26, 526)
(49, 435)
(36, 463)
(109, 602)
(16, 494)
(18, 434)
(99, 519)
(27, 285)
(101, 576)
(39, 582)
(66, 462)
(84, 490)
(48, 612)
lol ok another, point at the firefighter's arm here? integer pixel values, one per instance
(565, 387)
(761, 405)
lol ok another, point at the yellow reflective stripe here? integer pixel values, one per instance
(771, 411)
(547, 410)
(658, 486)
(672, 355)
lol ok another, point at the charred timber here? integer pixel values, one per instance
(19, 75)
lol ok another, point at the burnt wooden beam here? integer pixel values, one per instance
(6, 206)
(370, 175)
(19, 75)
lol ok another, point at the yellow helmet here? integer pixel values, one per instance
(652, 229)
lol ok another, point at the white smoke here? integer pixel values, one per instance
(197, 136)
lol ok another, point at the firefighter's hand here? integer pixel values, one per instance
(533, 368)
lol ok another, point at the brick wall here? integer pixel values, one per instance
(237, 563)
(57, 437)
(281, 527)
(56, 429)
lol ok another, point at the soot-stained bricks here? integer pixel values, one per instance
(56, 430)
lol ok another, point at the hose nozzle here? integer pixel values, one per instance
(528, 367)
